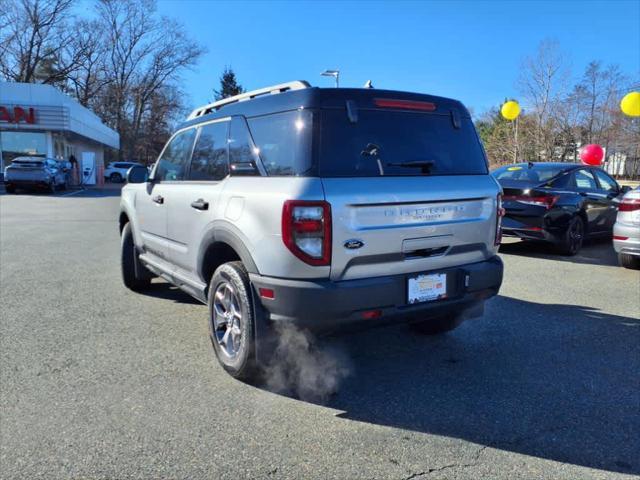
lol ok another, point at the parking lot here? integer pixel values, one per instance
(99, 382)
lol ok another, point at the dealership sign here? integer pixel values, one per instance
(17, 115)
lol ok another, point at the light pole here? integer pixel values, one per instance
(332, 73)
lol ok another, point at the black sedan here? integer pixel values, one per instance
(559, 203)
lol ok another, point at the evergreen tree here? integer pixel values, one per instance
(228, 85)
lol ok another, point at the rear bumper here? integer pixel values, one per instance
(324, 304)
(26, 182)
(629, 246)
(534, 228)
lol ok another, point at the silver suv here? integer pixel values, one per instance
(319, 208)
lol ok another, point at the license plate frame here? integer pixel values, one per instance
(427, 287)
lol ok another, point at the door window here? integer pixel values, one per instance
(585, 180)
(209, 159)
(173, 163)
(607, 183)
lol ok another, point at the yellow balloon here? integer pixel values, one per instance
(510, 110)
(630, 104)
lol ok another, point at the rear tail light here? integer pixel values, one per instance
(306, 230)
(546, 201)
(404, 104)
(499, 214)
(629, 205)
(620, 237)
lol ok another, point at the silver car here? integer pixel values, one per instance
(626, 231)
(34, 173)
(318, 209)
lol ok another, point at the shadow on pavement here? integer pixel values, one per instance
(166, 291)
(558, 382)
(595, 252)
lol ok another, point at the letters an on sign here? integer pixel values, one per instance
(17, 115)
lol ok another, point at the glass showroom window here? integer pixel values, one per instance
(16, 144)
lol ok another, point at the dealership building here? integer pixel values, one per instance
(40, 120)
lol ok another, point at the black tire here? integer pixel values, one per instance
(573, 237)
(115, 177)
(437, 326)
(241, 364)
(134, 275)
(629, 261)
(10, 189)
(52, 186)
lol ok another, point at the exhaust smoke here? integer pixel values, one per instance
(299, 367)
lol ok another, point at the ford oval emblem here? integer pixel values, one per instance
(353, 244)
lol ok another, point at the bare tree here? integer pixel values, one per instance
(542, 82)
(34, 41)
(90, 76)
(145, 54)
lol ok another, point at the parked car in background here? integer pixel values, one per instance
(626, 231)
(34, 172)
(116, 172)
(317, 208)
(559, 203)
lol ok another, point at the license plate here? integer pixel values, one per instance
(426, 288)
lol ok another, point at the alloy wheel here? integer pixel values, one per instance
(227, 319)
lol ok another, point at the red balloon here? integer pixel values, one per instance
(592, 154)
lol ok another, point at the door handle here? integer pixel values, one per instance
(200, 204)
(583, 194)
(159, 199)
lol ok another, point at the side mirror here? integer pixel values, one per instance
(625, 188)
(137, 175)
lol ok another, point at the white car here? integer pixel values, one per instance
(116, 172)
(626, 231)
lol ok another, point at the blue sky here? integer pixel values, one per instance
(469, 50)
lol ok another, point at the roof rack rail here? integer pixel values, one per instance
(243, 97)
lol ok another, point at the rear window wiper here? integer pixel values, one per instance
(424, 165)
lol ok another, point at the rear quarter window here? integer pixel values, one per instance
(283, 141)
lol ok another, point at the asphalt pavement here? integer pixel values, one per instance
(100, 382)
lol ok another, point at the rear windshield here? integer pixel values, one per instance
(393, 143)
(526, 174)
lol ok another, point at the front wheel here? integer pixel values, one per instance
(573, 237)
(231, 320)
(115, 177)
(10, 189)
(438, 325)
(629, 261)
(52, 186)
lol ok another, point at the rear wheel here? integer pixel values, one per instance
(573, 237)
(10, 189)
(438, 325)
(231, 320)
(134, 275)
(629, 261)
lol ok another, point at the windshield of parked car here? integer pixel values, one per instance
(398, 143)
(526, 174)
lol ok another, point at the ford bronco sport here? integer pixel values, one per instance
(317, 207)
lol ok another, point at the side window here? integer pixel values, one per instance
(172, 165)
(565, 181)
(242, 156)
(284, 141)
(209, 160)
(584, 180)
(607, 183)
